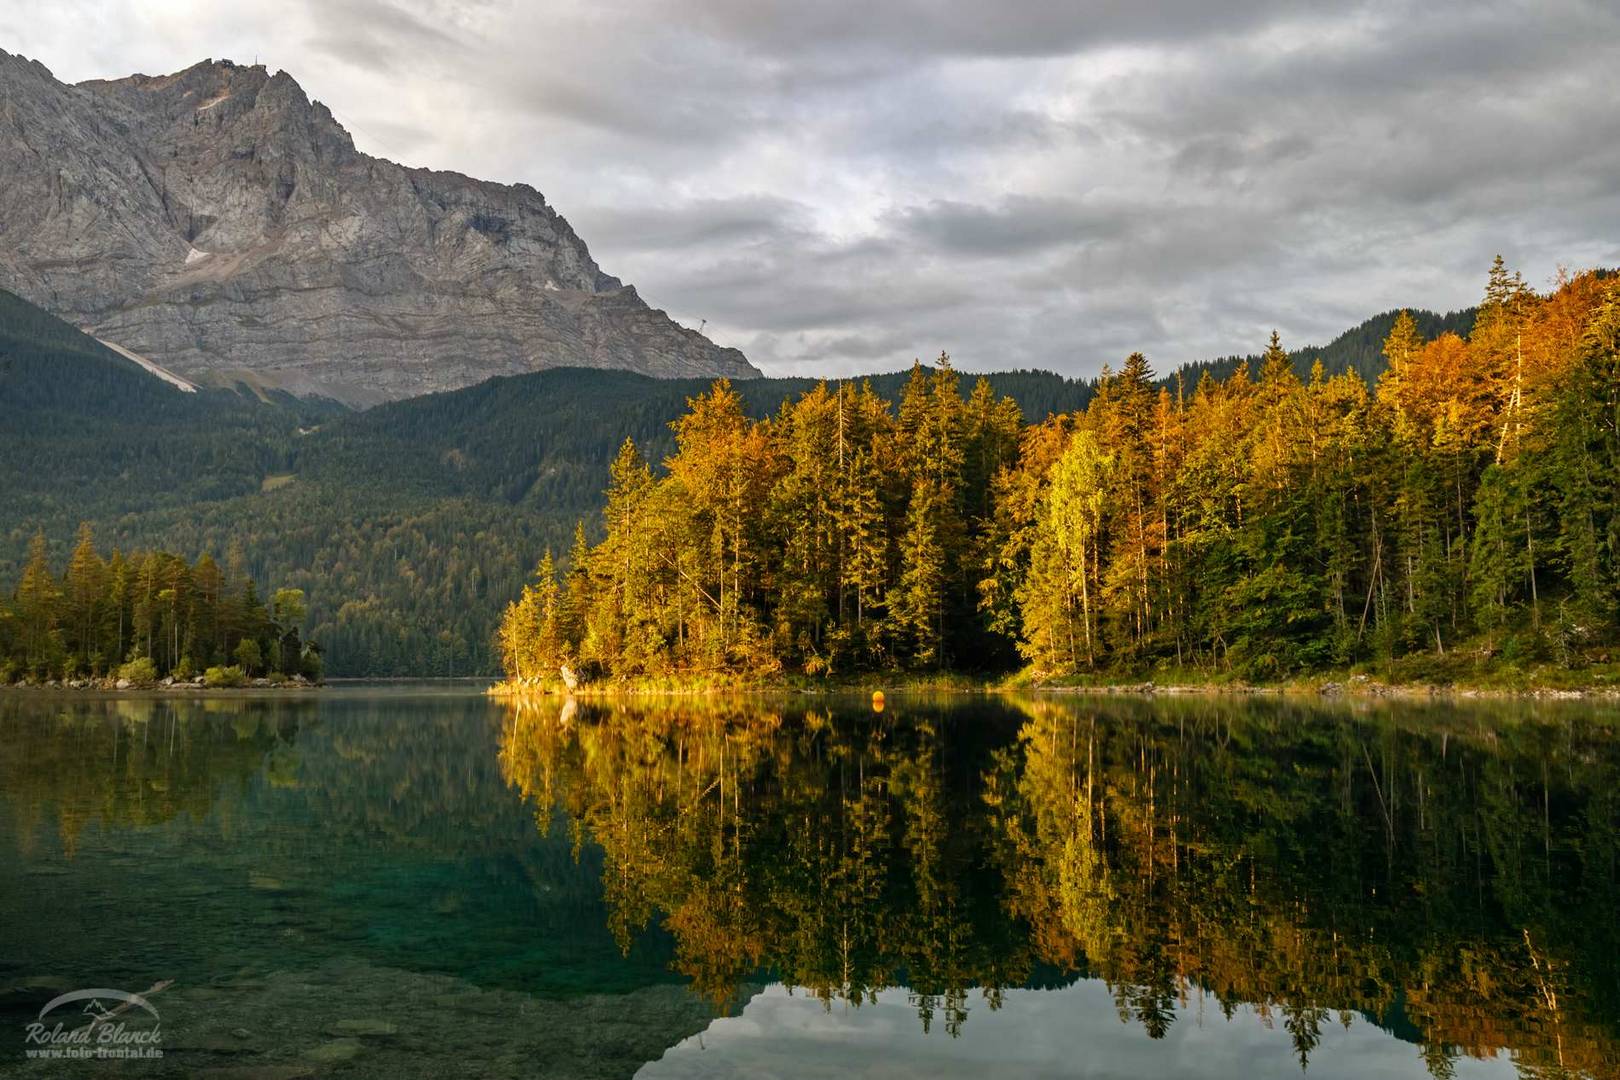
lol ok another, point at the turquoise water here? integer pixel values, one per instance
(416, 881)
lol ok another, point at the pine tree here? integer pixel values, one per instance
(726, 466)
(803, 517)
(86, 589)
(1123, 419)
(39, 610)
(992, 429)
(862, 525)
(119, 585)
(1263, 524)
(530, 635)
(208, 582)
(575, 600)
(917, 603)
(1584, 461)
(1498, 567)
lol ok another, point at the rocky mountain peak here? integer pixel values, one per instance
(192, 107)
(221, 223)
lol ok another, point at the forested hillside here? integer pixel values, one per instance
(547, 438)
(92, 434)
(1258, 525)
(1359, 349)
(410, 525)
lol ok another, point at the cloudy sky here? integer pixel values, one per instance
(842, 185)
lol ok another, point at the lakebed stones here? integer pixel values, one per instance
(347, 1017)
(330, 1053)
(370, 1029)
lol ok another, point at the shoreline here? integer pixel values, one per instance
(100, 687)
(1370, 691)
(1329, 689)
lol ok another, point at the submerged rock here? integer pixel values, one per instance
(363, 1028)
(330, 1053)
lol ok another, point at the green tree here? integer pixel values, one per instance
(249, 656)
(916, 605)
(1584, 463)
(863, 528)
(86, 599)
(39, 610)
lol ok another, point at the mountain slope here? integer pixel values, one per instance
(220, 223)
(546, 439)
(409, 525)
(89, 433)
(1359, 349)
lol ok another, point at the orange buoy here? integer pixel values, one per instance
(877, 701)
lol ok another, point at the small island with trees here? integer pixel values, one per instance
(148, 619)
(1456, 523)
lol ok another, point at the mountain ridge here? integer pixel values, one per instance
(221, 223)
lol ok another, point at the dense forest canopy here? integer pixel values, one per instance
(1261, 524)
(139, 617)
(411, 525)
(408, 525)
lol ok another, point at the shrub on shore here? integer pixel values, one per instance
(216, 677)
(139, 670)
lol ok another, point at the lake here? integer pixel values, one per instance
(417, 881)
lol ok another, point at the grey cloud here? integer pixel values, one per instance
(954, 28)
(1228, 158)
(829, 293)
(378, 36)
(698, 224)
(879, 345)
(1017, 225)
(845, 185)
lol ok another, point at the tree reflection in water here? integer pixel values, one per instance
(1450, 873)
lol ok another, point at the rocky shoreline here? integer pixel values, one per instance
(1355, 686)
(168, 683)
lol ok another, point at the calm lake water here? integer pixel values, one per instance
(418, 882)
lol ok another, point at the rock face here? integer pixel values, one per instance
(221, 224)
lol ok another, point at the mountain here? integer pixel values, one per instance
(89, 432)
(222, 225)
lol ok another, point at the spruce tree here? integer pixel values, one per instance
(39, 610)
(86, 589)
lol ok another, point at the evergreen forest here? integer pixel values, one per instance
(132, 619)
(1461, 509)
